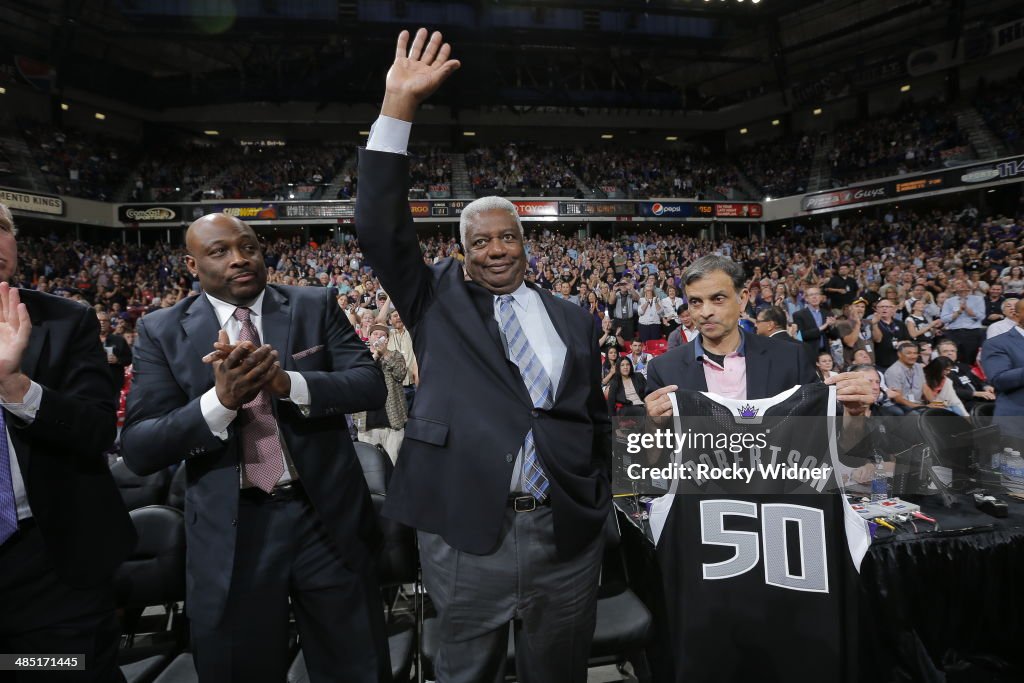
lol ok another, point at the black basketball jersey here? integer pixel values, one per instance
(759, 581)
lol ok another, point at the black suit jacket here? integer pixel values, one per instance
(773, 365)
(810, 332)
(472, 410)
(784, 336)
(73, 497)
(165, 425)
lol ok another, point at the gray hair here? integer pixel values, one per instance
(705, 265)
(7, 220)
(478, 206)
(1010, 304)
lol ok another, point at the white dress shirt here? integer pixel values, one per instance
(218, 417)
(26, 411)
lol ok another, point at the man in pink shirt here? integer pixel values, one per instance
(726, 361)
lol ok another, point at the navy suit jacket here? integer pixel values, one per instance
(773, 365)
(1002, 358)
(74, 500)
(472, 410)
(165, 425)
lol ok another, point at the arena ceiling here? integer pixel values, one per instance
(647, 54)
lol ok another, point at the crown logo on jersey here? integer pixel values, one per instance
(747, 411)
(748, 414)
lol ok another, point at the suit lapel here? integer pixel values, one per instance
(201, 327)
(36, 341)
(758, 366)
(693, 371)
(277, 324)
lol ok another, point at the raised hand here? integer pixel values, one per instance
(15, 328)
(418, 70)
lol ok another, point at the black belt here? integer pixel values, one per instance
(289, 491)
(524, 502)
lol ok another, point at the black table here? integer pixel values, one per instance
(943, 605)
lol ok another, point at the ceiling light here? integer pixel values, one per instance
(743, 131)
(469, 133)
(671, 138)
(64, 106)
(211, 132)
(364, 132)
(607, 136)
(905, 88)
(99, 116)
(3, 91)
(776, 122)
(817, 112)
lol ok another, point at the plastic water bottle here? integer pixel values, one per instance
(880, 482)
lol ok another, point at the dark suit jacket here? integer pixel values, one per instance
(810, 332)
(472, 410)
(784, 336)
(164, 425)
(1002, 358)
(73, 497)
(772, 367)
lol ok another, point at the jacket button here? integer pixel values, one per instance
(509, 457)
(238, 468)
(535, 413)
(234, 522)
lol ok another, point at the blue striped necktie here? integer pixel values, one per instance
(537, 382)
(8, 505)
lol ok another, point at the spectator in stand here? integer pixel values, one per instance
(918, 326)
(1013, 282)
(887, 333)
(609, 366)
(906, 378)
(994, 304)
(967, 385)
(962, 316)
(650, 315)
(841, 289)
(118, 353)
(938, 388)
(623, 303)
(771, 322)
(626, 390)
(385, 426)
(1009, 320)
(823, 365)
(815, 323)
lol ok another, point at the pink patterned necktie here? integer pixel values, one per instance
(261, 446)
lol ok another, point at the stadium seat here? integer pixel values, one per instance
(153, 575)
(656, 347)
(140, 491)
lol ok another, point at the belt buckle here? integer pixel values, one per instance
(524, 504)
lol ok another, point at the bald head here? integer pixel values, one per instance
(224, 253)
